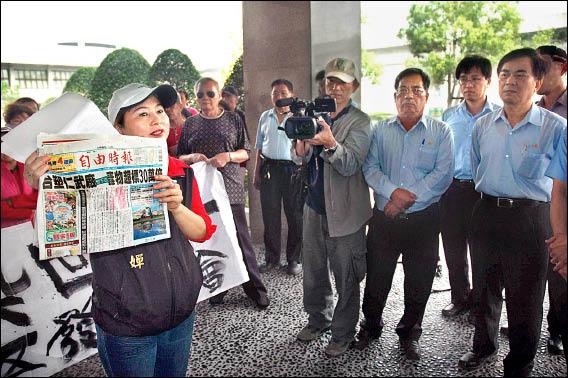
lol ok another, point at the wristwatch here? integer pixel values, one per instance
(331, 150)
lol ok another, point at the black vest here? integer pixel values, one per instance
(147, 299)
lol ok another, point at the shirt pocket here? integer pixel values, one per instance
(533, 165)
(426, 159)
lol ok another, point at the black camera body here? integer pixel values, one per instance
(302, 124)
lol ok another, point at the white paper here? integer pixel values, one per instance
(69, 114)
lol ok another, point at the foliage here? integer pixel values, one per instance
(80, 81)
(369, 68)
(9, 94)
(175, 68)
(235, 79)
(119, 68)
(442, 33)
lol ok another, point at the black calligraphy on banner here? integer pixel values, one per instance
(67, 287)
(18, 346)
(70, 322)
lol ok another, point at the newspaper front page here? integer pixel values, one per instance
(98, 195)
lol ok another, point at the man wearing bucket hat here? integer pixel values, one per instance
(336, 212)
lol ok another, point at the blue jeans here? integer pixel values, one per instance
(162, 355)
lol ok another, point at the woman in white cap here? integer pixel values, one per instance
(144, 316)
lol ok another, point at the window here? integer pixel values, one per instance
(6, 76)
(60, 78)
(30, 79)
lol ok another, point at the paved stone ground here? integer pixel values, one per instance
(236, 339)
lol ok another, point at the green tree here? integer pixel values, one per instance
(80, 81)
(369, 68)
(9, 94)
(119, 68)
(442, 33)
(235, 79)
(175, 68)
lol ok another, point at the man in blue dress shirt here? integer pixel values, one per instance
(409, 166)
(278, 180)
(511, 150)
(474, 75)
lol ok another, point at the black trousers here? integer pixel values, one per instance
(281, 183)
(558, 312)
(456, 207)
(508, 249)
(254, 288)
(417, 239)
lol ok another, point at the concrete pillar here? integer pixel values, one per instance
(291, 40)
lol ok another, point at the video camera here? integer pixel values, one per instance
(302, 124)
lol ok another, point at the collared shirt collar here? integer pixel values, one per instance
(395, 120)
(560, 100)
(274, 113)
(533, 116)
(488, 107)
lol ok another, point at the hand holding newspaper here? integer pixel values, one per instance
(98, 195)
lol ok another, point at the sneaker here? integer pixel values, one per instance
(335, 349)
(294, 268)
(309, 333)
(262, 302)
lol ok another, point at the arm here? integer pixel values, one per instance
(435, 183)
(557, 243)
(475, 153)
(256, 177)
(373, 171)
(191, 225)
(349, 156)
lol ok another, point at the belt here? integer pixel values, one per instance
(463, 181)
(277, 162)
(510, 203)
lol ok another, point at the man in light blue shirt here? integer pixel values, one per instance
(279, 181)
(409, 166)
(511, 150)
(474, 75)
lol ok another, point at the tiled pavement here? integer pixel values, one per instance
(236, 339)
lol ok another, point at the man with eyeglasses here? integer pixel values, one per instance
(277, 178)
(474, 75)
(336, 213)
(409, 166)
(553, 91)
(511, 150)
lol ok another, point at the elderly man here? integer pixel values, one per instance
(409, 166)
(511, 149)
(336, 213)
(474, 75)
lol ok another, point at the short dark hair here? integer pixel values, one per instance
(27, 100)
(320, 75)
(184, 92)
(538, 65)
(413, 71)
(555, 52)
(285, 82)
(15, 109)
(471, 61)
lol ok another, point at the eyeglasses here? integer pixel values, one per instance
(404, 91)
(517, 75)
(474, 80)
(210, 94)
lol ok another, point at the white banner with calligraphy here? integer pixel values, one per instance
(46, 322)
(220, 257)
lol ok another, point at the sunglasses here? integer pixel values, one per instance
(210, 94)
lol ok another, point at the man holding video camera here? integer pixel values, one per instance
(336, 212)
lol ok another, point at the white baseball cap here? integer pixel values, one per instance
(135, 93)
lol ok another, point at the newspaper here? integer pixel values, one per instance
(98, 195)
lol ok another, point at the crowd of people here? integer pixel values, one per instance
(490, 179)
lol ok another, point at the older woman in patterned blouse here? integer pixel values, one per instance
(218, 137)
